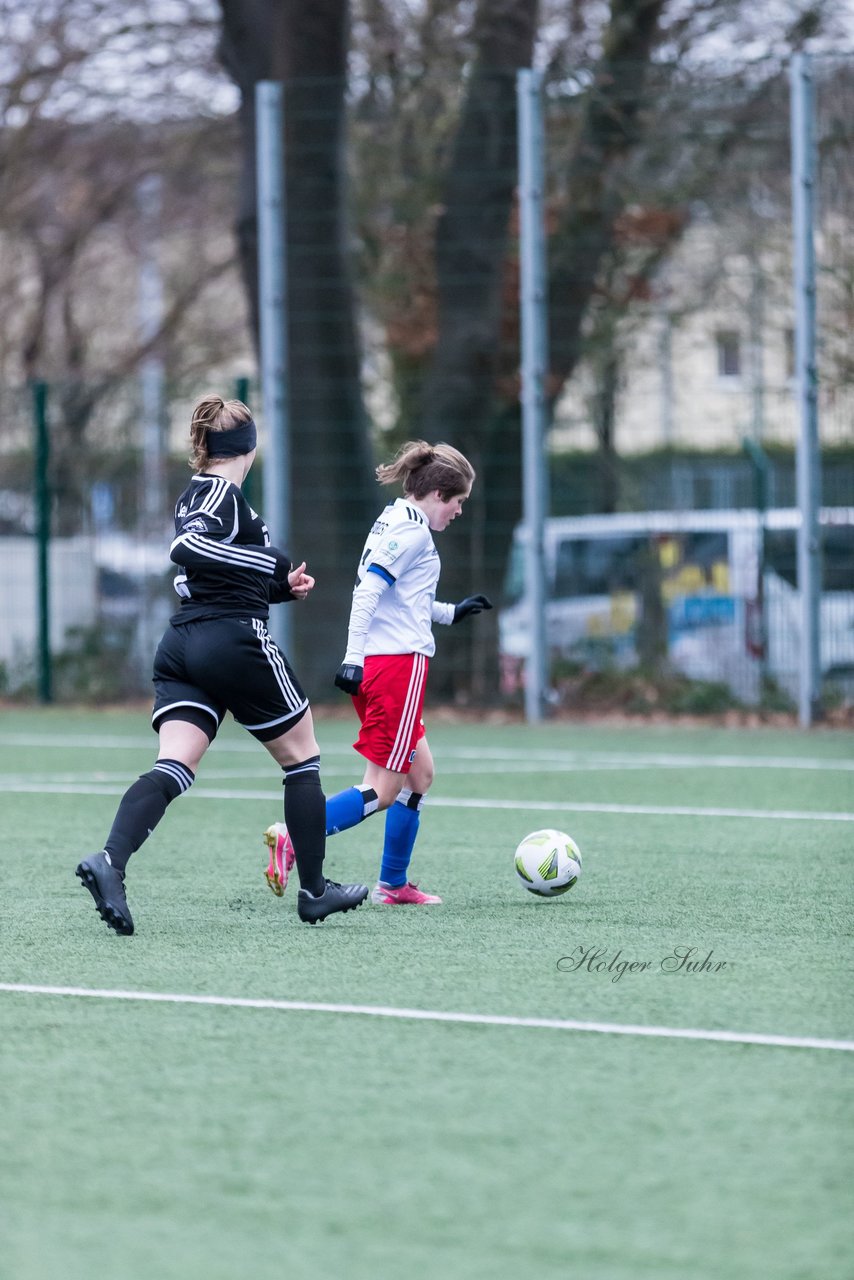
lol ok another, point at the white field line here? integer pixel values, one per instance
(354, 768)
(329, 769)
(29, 787)
(650, 759)
(557, 759)
(435, 1015)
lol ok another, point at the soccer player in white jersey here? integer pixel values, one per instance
(217, 656)
(389, 646)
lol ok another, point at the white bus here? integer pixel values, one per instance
(721, 623)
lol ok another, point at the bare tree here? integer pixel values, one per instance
(73, 151)
(611, 127)
(459, 399)
(95, 94)
(463, 361)
(305, 45)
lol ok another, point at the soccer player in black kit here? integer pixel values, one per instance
(218, 656)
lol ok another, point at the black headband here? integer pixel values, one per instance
(233, 443)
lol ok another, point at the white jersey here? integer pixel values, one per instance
(400, 552)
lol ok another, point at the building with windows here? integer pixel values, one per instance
(707, 359)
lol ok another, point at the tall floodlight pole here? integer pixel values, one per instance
(533, 302)
(272, 292)
(806, 383)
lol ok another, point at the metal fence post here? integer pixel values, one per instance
(806, 381)
(42, 502)
(272, 291)
(532, 256)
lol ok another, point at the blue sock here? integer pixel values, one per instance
(401, 828)
(348, 808)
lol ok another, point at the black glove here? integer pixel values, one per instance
(471, 604)
(349, 677)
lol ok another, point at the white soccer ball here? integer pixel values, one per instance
(548, 863)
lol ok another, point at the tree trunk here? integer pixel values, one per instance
(609, 131)
(604, 415)
(304, 45)
(245, 51)
(471, 248)
(652, 624)
(459, 399)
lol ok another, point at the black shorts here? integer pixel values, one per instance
(203, 669)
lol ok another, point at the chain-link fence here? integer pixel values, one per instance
(688, 343)
(671, 386)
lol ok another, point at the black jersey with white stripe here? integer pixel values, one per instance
(228, 567)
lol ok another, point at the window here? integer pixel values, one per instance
(781, 554)
(514, 580)
(597, 566)
(729, 354)
(838, 558)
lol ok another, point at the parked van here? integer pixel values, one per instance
(723, 617)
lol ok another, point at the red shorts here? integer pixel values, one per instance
(389, 705)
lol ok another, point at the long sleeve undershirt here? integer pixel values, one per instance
(366, 597)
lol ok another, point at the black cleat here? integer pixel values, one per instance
(107, 886)
(335, 897)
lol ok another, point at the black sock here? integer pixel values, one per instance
(305, 818)
(143, 805)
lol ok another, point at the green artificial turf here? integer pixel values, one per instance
(160, 1140)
